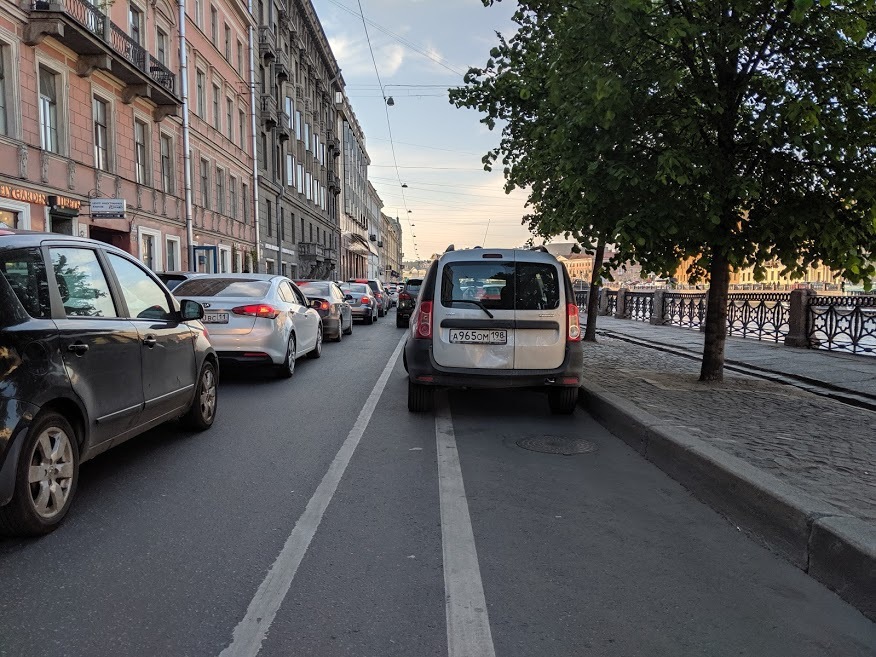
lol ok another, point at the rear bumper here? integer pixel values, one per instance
(266, 340)
(15, 420)
(423, 369)
(361, 312)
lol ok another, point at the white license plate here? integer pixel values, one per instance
(215, 318)
(491, 336)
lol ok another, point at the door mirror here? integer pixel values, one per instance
(316, 304)
(189, 310)
(348, 297)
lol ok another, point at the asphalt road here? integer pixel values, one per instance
(318, 517)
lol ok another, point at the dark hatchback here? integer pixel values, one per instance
(330, 302)
(94, 350)
(407, 299)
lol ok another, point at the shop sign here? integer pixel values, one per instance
(108, 208)
(39, 198)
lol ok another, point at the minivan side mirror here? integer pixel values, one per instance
(190, 310)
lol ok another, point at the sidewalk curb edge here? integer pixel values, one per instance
(837, 550)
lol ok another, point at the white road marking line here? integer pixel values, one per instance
(250, 632)
(468, 623)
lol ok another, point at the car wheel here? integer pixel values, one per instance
(405, 360)
(349, 330)
(563, 400)
(317, 350)
(370, 319)
(340, 335)
(45, 479)
(419, 397)
(402, 322)
(287, 369)
(381, 313)
(202, 412)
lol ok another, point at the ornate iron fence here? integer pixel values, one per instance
(759, 315)
(687, 310)
(581, 298)
(611, 296)
(639, 306)
(846, 323)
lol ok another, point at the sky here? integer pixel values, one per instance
(438, 148)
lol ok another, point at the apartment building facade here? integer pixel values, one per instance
(390, 248)
(297, 143)
(356, 247)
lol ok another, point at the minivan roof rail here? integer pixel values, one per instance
(543, 249)
(449, 249)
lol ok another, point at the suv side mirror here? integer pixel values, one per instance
(189, 310)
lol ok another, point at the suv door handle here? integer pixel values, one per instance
(150, 341)
(77, 348)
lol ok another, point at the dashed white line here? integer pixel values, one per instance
(250, 632)
(468, 623)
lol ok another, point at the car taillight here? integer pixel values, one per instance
(257, 310)
(404, 295)
(366, 299)
(574, 323)
(325, 305)
(423, 321)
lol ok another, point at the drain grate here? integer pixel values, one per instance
(557, 445)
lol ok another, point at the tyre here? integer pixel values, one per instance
(287, 369)
(340, 335)
(563, 400)
(381, 313)
(402, 322)
(419, 398)
(46, 477)
(202, 412)
(370, 319)
(349, 330)
(317, 350)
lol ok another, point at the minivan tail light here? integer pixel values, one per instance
(257, 310)
(423, 321)
(574, 334)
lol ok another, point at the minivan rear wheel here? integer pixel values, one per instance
(419, 398)
(563, 400)
(45, 479)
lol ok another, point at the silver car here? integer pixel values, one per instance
(256, 319)
(362, 301)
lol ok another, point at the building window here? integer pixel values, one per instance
(166, 164)
(205, 184)
(241, 117)
(282, 223)
(4, 59)
(269, 266)
(290, 170)
(244, 198)
(301, 236)
(220, 191)
(214, 26)
(290, 111)
(49, 110)
(232, 196)
(201, 82)
(299, 178)
(141, 153)
(147, 251)
(227, 43)
(224, 260)
(308, 186)
(135, 24)
(298, 125)
(198, 13)
(229, 118)
(161, 46)
(100, 113)
(264, 151)
(217, 119)
(307, 135)
(240, 57)
(269, 219)
(171, 260)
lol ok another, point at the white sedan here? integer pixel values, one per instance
(256, 319)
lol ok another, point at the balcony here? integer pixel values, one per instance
(268, 110)
(334, 182)
(284, 126)
(312, 250)
(267, 43)
(281, 66)
(101, 44)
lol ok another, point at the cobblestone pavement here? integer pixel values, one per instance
(819, 445)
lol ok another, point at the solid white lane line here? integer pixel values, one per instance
(251, 631)
(468, 623)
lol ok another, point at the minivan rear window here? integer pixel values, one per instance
(223, 287)
(25, 272)
(501, 285)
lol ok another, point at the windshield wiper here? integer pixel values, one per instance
(474, 303)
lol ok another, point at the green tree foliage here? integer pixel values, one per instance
(739, 132)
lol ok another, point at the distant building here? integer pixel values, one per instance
(356, 248)
(390, 249)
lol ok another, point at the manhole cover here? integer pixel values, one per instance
(557, 445)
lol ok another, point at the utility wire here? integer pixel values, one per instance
(388, 125)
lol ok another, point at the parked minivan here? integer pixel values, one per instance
(495, 318)
(94, 350)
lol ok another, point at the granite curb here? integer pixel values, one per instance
(834, 548)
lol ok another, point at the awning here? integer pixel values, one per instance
(355, 243)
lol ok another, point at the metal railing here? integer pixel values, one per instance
(687, 310)
(611, 299)
(639, 306)
(846, 323)
(759, 315)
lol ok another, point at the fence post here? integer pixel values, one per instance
(657, 308)
(705, 311)
(603, 302)
(798, 319)
(621, 303)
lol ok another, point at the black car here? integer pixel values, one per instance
(331, 304)
(407, 299)
(94, 350)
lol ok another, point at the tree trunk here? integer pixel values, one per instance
(593, 297)
(716, 320)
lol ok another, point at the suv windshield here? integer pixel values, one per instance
(501, 285)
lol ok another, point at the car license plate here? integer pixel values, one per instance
(459, 336)
(215, 318)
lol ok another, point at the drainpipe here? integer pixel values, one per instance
(255, 158)
(187, 151)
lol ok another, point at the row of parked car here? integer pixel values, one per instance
(95, 349)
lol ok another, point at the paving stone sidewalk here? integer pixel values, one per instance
(821, 446)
